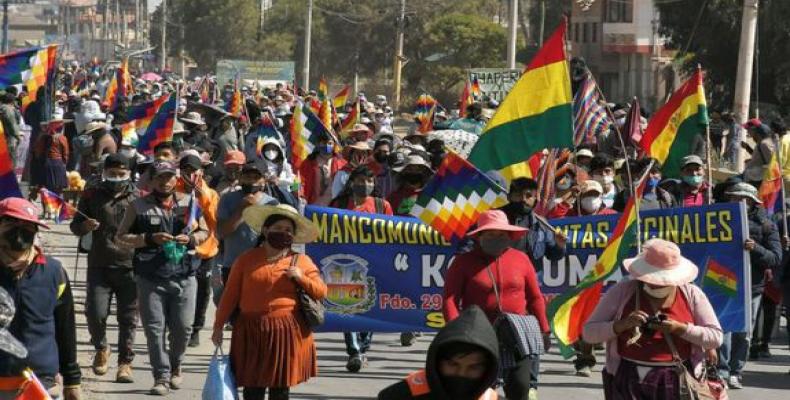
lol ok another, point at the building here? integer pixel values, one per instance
(619, 40)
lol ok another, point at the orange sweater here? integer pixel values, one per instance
(257, 286)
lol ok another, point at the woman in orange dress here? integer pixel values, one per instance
(272, 345)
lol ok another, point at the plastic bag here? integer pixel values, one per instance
(174, 251)
(220, 382)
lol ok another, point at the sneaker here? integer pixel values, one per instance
(354, 363)
(407, 339)
(160, 388)
(100, 362)
(176, 380)
(584, 372)
(533, 394)
(194, 340)
(735, 382)
(124, 374)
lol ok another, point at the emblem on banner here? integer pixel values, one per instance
(351, 290)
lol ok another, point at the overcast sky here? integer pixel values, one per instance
(153, 4)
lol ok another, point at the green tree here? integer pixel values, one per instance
(710, 37)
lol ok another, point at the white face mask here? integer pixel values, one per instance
(604, 179)
(591, 204)
(659, 292)
(271, 154)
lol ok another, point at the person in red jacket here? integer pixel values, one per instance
(318, 172)
(469, 282)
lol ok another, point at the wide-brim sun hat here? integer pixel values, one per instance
(255, 216)
(744, 189)
(415, 160)
(496, 220)
(660, 263)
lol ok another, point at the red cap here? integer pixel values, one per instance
(752, 123)
(21, 209)
(234, 157)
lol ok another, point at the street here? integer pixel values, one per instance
(388, 360)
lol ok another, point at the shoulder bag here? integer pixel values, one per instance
(312, 309)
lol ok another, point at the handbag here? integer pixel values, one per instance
(520, 334)
(691, 387)
(312, 309)
(220, 383)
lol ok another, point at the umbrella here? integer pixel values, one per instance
(457, 140)
(150, 76)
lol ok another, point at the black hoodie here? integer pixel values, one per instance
(471, 327)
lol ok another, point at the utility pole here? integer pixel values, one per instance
(396, 71)
(163, 61)
(512, 34)
(743, 80)
(5, 26)
(308, 30)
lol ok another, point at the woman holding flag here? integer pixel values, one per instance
(652, 322)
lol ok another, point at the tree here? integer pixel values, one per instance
(708, 33)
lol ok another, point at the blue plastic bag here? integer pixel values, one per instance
(220, 382)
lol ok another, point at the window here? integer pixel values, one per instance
(576, 32)
(619, 10)
(594, 32)
(585, 32)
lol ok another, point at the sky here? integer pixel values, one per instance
(153, 4)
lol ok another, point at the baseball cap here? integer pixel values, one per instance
(116, 160)
(234, 157)
(164, 167)
(190, 161)
(8, 343)
(752, 123)
(21, 209)
(691, 159)
(591, 186)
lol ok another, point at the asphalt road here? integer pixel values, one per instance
(388, 360)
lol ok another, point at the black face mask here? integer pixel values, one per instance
(19, 239)
(161, 196)
(280, 240)
(114, 186)
(458, 387)
(381, 158)
(250, 189)
(413, 179)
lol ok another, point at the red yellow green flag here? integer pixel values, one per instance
(720, 277)
(671, 131)
(341, 98)
(569, 311)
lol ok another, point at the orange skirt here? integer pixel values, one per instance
(272, 350)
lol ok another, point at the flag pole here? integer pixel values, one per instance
(708, 153)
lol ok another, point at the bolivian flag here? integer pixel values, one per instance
(569, 311)
(721, 277)
(671, 131)
(536, 114)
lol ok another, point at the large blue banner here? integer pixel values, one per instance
(386, 274)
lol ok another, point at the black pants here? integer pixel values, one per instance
(203, 277)
(517, 380)
(584, 355)
(256, 393)
(103, 283)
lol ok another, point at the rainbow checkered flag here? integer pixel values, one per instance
(455, 197)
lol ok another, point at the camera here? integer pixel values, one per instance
(653, 320)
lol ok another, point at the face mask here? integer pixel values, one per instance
(271, 154)
(564, 184)
(250, 189)
(693, 180)
(494, 247)
(326, 149)
(591, 204)
(19, 239)
(161, 196)
(280, 240)
(657, 293)
(381, 157)
(115, 184)
(362, 190)
(413, 179)
(128, 153)
(653, 182)
(604, 179)
(458, 387)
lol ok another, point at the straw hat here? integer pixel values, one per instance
(660, 263)
(255, 216)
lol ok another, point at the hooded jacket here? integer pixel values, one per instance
(472, 327)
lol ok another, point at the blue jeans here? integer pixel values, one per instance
(357, 342)
(734, 349)
(168, 303)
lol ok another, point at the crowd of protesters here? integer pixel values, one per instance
(163, 269)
